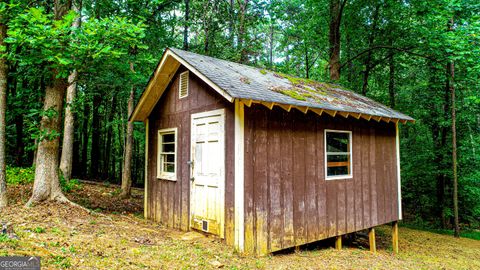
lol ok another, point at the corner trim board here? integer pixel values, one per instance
(145, 205)
(399, 185)
(239, 176)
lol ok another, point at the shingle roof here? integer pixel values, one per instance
(250, 83)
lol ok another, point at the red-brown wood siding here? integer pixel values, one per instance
(169, 201)
(288, 202)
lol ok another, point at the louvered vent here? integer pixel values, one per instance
(183, 87)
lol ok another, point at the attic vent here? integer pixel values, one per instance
(183, 85)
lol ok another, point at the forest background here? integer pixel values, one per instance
(418, 57)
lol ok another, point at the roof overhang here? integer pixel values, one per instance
(332, 113)
(160, 79)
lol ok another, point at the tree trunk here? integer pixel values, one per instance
(3, 111)
(85, 136)
(391, 80)
(270, 53)
(451, 69)
(241, 32)
(185, 30)
(47, 185)
(368, 59)
(95, 150)
(307, 68)
(231, 24)
(108, 144)
(66, 159)
(127, 159)
(454, 152)
(68, 129)
(19, 145)
(336, 11)
(350, 63)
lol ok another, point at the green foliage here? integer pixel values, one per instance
(4, 238)
(61, 261)
(39, 230)
(20, 176)
(466, 233)
(37, 39)
(69, 186)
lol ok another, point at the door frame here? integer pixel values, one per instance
(221, 113)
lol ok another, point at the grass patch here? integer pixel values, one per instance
(61, 261)
(4, 238)
(472, 234)
(39, 230)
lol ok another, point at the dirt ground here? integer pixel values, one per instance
(116, 236)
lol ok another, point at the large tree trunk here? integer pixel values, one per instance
(336, 11)
(3, 110)
(47, 184)
(69, 124)
(127, 160)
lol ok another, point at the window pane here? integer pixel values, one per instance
(168, 167)
(338, 165)
(168, 147)
(337, 158)
(170, 137)
(338, 142)
(335, 171)
(170, 158)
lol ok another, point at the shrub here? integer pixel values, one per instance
(20, 176)
(68, 186)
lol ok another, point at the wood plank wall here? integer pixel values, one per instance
(288, 202)
(169, 201)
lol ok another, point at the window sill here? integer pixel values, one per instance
(167, 178)
(340, 177)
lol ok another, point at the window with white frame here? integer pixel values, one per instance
(167, 153)
(338, 154)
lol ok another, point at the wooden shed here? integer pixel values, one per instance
(264, 160)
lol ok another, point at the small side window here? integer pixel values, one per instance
(183, 85)
(338, 154)
(167, 154)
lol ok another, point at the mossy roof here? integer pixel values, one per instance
(246, 82)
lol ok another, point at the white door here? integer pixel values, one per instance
(208, 172)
